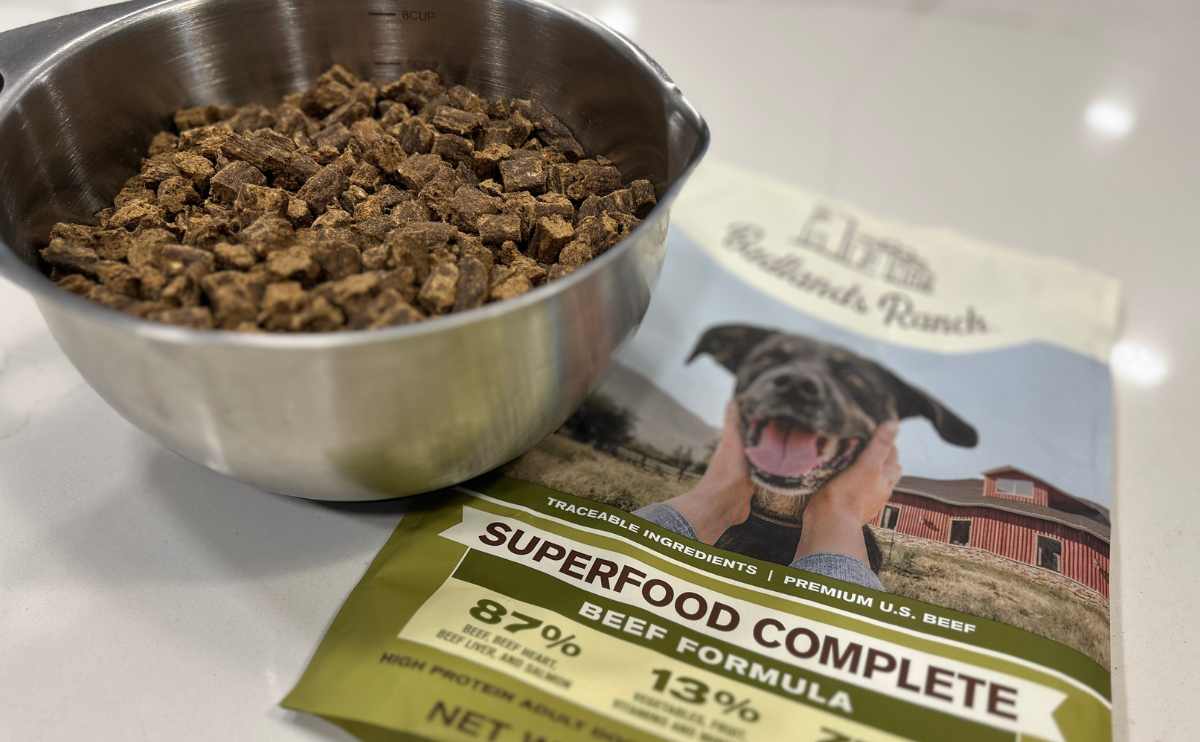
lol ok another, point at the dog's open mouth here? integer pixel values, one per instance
(782, 448)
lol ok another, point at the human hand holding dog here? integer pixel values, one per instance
(721, 499)
(834, 518)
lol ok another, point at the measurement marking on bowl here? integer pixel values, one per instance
(404, 15)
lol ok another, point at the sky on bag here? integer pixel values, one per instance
(1037, 407)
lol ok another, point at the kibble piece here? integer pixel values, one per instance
(523, 174)
(208, 141)
(414, 89)
(555, 204)
(176, 193)
(174, 260)
(366, 176)
(191, 118)
(524, 205)
(295, 263)
(392, 113)
(575, 254)
(298, 211)
(324, 187)
(412, 245)
(196, 167)
(509, 285)
(256, 201)
(77, 234)
(197, 318)
(457, 121)
(473, 284)
(333, 219)
(273, 153)
(530, 268)
(252, 118)
(182, 291)
(466, 99)
(280, 303)
(550, 236)
(328, 95)
(163, 142)
(375, 258)
(347, 113)
(380, 203)
(440, 289)
(77, 284)
(113, 244)
(234, 257)
(496, 229)
(453, 148)
(402, 280)
(291, 120)
(73, 257)
(120, 278)
(147, 246)
(553, 132)
(353, 295)
(593, 180)
(411, 211)
(644, 197)
(138, 215)
(622, 204)
(415, 136)
(134, 190)
(418, 170)
(334, 137)
(373, 231)
(469, 204)
(600, 232)
(337, 258)
(318, 315)
(233, 296)
(229, 181)
(206, 230)
(473, 248)
(438, 193)
(391, 309)
(159, 168)
(491, 187)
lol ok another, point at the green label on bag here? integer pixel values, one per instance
(518, 613)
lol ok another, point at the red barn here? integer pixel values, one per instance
(1011, 514)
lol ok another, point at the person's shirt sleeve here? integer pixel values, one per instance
(661, 514)
(839, 567)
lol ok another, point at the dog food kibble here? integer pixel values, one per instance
(351, 206)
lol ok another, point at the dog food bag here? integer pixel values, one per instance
(850, 482)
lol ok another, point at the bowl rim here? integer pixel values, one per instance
(37, 283)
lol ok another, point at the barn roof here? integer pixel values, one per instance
(1086, 503)
(969, 493)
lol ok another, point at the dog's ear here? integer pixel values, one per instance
(730, 344)
(914, 402)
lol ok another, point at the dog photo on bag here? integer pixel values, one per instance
(805, 410)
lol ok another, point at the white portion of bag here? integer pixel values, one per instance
(926, 288)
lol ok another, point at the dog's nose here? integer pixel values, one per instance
(802, 386)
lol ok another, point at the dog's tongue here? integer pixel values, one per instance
(784, 452)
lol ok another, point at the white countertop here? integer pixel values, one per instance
(144, 597)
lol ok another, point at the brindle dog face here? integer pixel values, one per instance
(808, 407)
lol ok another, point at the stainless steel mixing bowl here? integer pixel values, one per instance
(351, 416)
